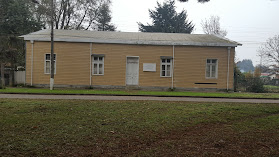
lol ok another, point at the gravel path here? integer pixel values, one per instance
(94, 97)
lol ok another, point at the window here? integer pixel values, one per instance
(48, 64)
(166, 67)
(98, 65)
(211, 68)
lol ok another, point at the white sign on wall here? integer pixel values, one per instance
(149, 66)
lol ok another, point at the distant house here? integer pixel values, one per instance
(264, 74)
(265, 78)
(273, 76)
(121, 59)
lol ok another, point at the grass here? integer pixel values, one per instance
(271, 88)
(136, 128)
(155, 93)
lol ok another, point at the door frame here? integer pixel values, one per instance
(127, 68)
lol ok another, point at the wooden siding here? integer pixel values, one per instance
(190, 65)
(115, 64)
(73, 64)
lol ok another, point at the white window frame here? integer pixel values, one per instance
(98, 64)
(161, 67)
(50, 63)
(210, 68)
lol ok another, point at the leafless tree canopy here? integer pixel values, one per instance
(269, 51)
(200, 1)
(70, 14)
(212, 26)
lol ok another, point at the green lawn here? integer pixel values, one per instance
(137, 128)
(271, 88)
(137, 92)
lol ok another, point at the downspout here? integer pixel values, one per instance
(172, 79)
(228, 73)
(32, 52)
(90, 64)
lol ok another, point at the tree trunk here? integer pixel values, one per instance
(11, 77)
(235, 82)
(2, 75)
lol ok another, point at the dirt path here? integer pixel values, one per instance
(94, 97)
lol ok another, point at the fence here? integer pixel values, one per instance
(19, 77)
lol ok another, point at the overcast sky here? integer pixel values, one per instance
(250, 22)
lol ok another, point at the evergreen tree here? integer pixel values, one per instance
(245, 65)
(104, 19)
(15, 20)
(166, 19)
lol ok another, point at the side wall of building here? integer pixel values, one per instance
(73, 65)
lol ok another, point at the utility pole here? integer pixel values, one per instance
(51, 83)
(52, 54)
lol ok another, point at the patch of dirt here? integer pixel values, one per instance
(200, 140)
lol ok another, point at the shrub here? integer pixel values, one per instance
(1, 87)
(248, 81)
(171, 89)
(255, 84)
(239, 79)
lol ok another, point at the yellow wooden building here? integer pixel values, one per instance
(138, 60)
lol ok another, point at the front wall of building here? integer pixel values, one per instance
(115, 64)
(190, 64)
(73, 65)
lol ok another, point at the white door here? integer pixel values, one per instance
(132, 71)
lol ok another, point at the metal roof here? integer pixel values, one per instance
(139, 38)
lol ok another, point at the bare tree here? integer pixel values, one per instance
(269, 51)
(70, 14)
(200, 1)
(212, 26)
